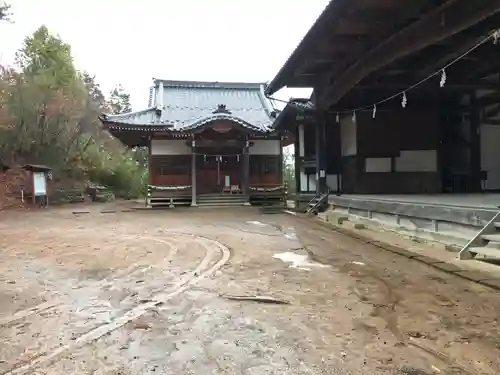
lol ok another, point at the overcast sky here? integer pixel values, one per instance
(130, 42)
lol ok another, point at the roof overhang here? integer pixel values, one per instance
(355, 43)
(285, 74)
(297, 111)
(36, 168)
(132, 135)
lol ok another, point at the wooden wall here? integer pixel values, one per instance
(393, 138)
(176, 170)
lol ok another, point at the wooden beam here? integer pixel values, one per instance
(492, 112)
(376, 18)
(489, 68)
(449, 56)
(431, 85)
(492, 122)
(429, 30)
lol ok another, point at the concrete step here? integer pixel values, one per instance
(491, 237)
(497, 225)
(220, 204)
(220, 200)
(218, 195)
(490, 252)
(271, 209)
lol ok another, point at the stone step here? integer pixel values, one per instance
(220, 204)
(490, 252)
(218, 195)
(491, 238)
(220, 200)
(221, 197)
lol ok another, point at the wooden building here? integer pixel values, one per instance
(206, 140)
(24, 186)
(4, 168)
(405, 97)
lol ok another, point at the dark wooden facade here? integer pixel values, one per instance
(360, 53)
(219, 161)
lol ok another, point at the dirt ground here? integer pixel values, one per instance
(142, 292)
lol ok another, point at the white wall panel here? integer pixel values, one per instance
(170, 147)
(348, 136)
(265, 147)
(416, 161)
(378, 164)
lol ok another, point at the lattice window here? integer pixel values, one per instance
(264, 164)
(171, 165)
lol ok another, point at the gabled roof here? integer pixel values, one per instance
(185, 105)
(294, 107)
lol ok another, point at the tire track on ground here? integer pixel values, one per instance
(108, 281)
(388, 310)
(211, 246)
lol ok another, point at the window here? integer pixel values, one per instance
(264, 164)
(171, 165)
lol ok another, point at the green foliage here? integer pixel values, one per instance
(48, 115)
(47, 59)
(119, 101)
(4, 12)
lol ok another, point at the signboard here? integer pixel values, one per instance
(39, 183)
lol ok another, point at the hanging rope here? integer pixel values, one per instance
(217, 155)
(495, 35)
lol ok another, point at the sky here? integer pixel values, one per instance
(130, 42)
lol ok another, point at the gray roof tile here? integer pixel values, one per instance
(189, 104)
(147, 116)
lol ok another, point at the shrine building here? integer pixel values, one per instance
(209, 143)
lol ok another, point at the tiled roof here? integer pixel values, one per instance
(293, 107)
(147, 116)
(186, 105)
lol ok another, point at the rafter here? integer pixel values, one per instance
(420, 34)
(405, 13)
(449, 56)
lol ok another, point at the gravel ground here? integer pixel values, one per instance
(149, 292)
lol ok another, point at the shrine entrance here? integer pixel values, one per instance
(218, 169)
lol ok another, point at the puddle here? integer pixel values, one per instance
(299, 261)
(290, 234)
(257, 223)
(357, 263)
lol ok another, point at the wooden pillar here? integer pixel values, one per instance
(150, 173)
(475, 144)
(150, 163)
(3, 188)
(281, 167)
(193, 174)
(321, 154)
(33, 197)
(297, 163)
(246, 173)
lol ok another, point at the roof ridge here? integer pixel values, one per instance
(209, 84)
